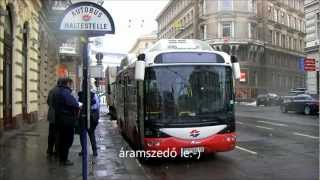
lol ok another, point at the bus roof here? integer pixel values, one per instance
(180, 45)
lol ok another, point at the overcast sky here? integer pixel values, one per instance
(132, 18)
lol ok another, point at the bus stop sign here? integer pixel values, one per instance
(87, 18)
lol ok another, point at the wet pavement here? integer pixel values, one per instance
(23, 156)
(270, 146)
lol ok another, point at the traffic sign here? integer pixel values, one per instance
(309, 64)
(96, 71)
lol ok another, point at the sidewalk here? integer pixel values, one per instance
(24, 157)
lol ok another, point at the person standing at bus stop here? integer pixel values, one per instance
(94, 119)
(66, 108)
(52, 135)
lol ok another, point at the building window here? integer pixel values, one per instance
(283, 40)
(204, 7)
(272, 83)
(7, 70)
(225, 5)
(25, 67)
(226, 29)
(275, 15)
(278, 38)
(270, 12)
(290, 47)
(270, 36)
(204, 32)
(252, 31)
(292, 22)
(318, 25)
(252, 6)
(282, 18)
(279, 81)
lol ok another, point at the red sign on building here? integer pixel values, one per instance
(242, 77)
(309, 64)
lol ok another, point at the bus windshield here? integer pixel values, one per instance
(188, 94)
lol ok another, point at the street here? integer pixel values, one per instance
(270, 145)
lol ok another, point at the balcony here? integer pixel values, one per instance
(234, 41)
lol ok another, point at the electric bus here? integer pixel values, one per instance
(179, 94)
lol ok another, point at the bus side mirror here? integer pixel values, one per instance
(235, 67)
(140, 67)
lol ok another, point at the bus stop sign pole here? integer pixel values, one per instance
(86, 19)
(86, 110)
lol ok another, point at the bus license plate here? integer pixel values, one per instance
(193, 150)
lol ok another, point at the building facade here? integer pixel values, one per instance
(143, 43)
(29, 57)
(267, 37)
(19, 67)
(312, 49)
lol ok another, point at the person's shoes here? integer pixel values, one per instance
(67, 163)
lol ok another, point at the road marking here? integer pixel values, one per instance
(246, 150)
(305, 135)
(275, 124)
(238, 122)
(263, 127)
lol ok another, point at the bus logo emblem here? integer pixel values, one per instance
(86, 17)
(194, 133)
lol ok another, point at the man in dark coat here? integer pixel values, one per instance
(66, 108)
(52, 145)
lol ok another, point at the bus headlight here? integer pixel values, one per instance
(154, 133)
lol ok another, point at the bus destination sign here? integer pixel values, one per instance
(87, 17)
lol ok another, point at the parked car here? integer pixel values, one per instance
(302, 103)
(297, 91)
(268, 99)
